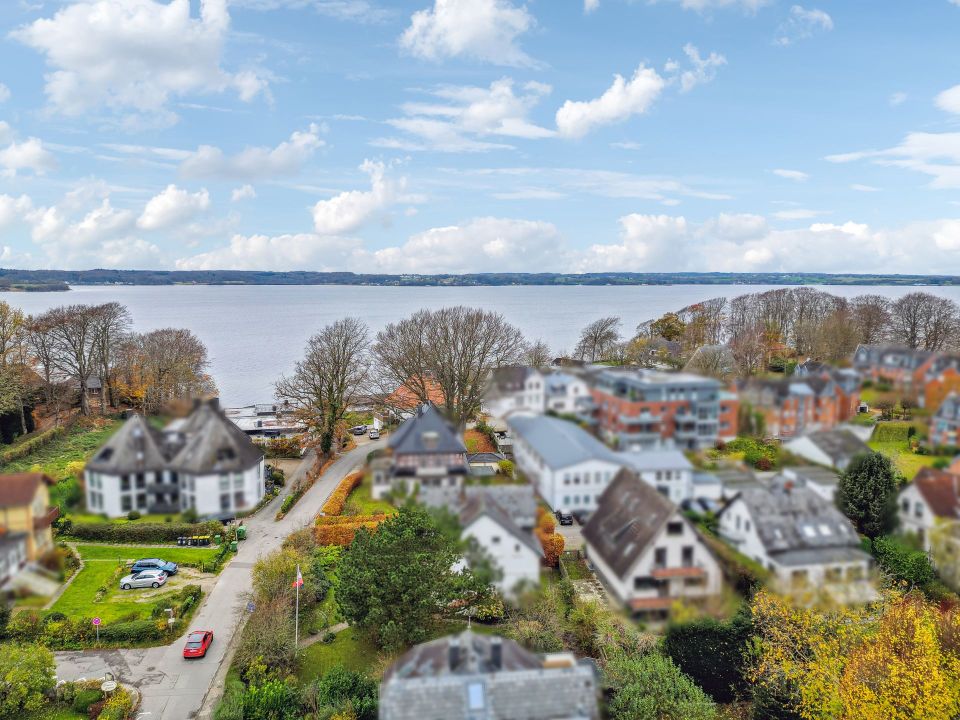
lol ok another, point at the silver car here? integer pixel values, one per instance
(143, 579)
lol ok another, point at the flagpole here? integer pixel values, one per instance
(296, 622)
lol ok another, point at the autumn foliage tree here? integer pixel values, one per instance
(551, 541)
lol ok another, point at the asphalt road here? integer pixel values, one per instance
(174, 688)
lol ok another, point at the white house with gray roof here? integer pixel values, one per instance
(802, 538)
(525, 389)
(485, 677)
(202, 462)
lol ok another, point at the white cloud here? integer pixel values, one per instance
(349, 210)
(933, 154)
(622, 100)
(949, 100)
(244, 192)
(4, 93)
(864, 188)
(798, 214)
(707, 5)
(795, 175)
(485, 30)
(173, 206)
(897, 98)
(590, 5)
(703, 70)
(13, 209)
(282, 252)
(353, 10)
(6, 133)
(132, 55)
(486, 244)
(801, 24)
(254, 162)
(27, 155)
(530, 193)
(461, 116)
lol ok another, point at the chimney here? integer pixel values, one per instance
(496, 653)
(454, 653)
(788, 486)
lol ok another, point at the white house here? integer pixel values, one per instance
(833, 448)
(930, 502)
(820, 480)
(668, 471)
(800, 537)
(567, 465)
(526, 389)
(203, 462)
(646, 552)
(516, 552)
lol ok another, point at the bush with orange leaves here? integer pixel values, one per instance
(550, 540)
(338, 498)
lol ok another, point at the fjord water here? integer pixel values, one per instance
(255, 333)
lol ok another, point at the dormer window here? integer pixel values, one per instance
(431, 439)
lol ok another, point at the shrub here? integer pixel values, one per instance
(343, 690)
(28, 677)
(133, 631)
(743, 573)
(903, 563)
(141, 533)
(133, 515)
(651, 687)
(84, 698)
(338, 498)
(283, 447)
(118, 706)
(273, 700)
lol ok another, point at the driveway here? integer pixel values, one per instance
(174, 688)
(572, 536)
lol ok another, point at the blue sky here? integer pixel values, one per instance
(480, 135)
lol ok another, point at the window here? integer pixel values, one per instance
(746, 525)
(687, 556)
(141, 501)
(141, 481)
(239, 499)
(660, 557)
(566, 478)
(918, 510)
(566, 499)
(905, 505)
(475, 699)
(124, 483)
(694, 582)
(798, 577)
(834, 574)
(659, 475)
(737, 518)
(644, 583)
(224, 482)
(495, 539)
(238, 480)
(126, 505)
(224, 501)
(675, 528)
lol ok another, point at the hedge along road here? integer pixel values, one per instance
(174, 688)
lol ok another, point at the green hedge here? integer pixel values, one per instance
(26, 447)
(141, 532)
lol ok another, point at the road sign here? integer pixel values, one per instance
(108, 686)
(251, 607)
(96, 621)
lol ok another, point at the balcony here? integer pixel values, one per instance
(163, 488)
(46, 520)
(163, 508)
(666, 573)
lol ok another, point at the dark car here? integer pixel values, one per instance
(154, 564)
(198, 642)
(359, 430)
(564, 517)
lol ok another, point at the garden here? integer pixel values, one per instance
(903, 443)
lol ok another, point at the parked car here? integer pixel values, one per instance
(154, 564)
(147, 578)
(564, 517)
(198, 642)
(374, 434)
(359, 429)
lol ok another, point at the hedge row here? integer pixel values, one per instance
(142, 532)
(28, 446)
(342, 533)
(338, 498)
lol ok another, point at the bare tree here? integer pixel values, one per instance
(925, 321)
(871, 317)
(333, 372)
(749, 350)
(713, 361)
(537, 354)
(598, 339)
(451, 350)
(12, 328)
(113, 325)
(74, 332)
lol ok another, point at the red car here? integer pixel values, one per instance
(198, 642)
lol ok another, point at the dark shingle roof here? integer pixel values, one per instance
(628, 517)
(485, 503)
(425, 433)
(135, 447)
(941, 490)
(432, 659)
(214, 444)
(19, 489)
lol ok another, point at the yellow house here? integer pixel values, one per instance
(25, 508)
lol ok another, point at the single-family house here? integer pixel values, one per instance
(800, 537)
(25, 509)
(945, 423)
(823, 481)
(667, 471)
(13, 555)
(646, 552)
(929, 504)
(203, 462)
(264, 421)
(833, 448)
(471, 676)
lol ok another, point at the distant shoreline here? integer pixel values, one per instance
(61, 280)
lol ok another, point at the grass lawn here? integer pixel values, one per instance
(907, 462)
(54, 713)
(101, 570)
(361, 501)
(349, 648)
(79, 517)
(77, 445)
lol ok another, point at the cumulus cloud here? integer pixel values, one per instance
(933, 154)
(281, 252)
(486, 30)
(349, 210)
(702, 69)
(795, 175)
(949, 100)
(244, 192)
(254, 162)
(27, 155)
(622, 100)
(173, 206)
(13, 209)
(803, 23)
(463, 118)
(131, 56)
(486, 244)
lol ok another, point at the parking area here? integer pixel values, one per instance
(572, 537)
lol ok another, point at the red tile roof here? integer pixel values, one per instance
(19, 489)
(941, 490)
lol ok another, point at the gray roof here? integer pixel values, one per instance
(213, 444)
(814, 474)
(950, 408)
(518, 500)
(838, 445)
(136, 447)
(789, 518)
(895, 356)
(425, 433)
(479, 504)
(737, 479)
(560, 443)
(437, 680)
(507, 380)
(655, 460)
(629, 516)
(485, 457)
